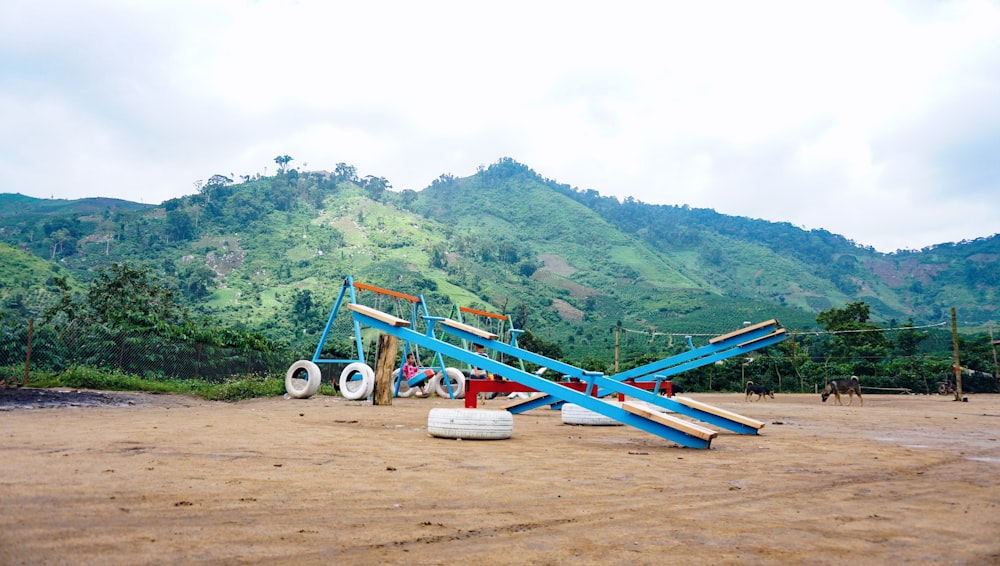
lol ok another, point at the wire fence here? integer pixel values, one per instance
(27, 345)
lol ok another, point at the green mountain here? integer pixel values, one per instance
(270, 254)
(26, 281)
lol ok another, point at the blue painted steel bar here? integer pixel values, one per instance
(605, 383)
(533, 403)
(545, 386)
(704, 354)
(744, 348)
(317, 358)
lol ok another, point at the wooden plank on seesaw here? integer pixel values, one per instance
(735, 417)
(468, 328)
(689, 428)
(378, 315)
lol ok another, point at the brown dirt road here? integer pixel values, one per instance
(163, 479)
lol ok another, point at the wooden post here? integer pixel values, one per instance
(956, 366)
(385, 362)
(993, 345)
(27, 357)
(618, 334)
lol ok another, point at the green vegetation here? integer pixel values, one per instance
(246, 387)
(254, 265)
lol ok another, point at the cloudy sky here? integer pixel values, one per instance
(877, 120)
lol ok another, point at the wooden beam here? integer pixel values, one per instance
(735, 417)
(758, 326)
(470, 329)
(687, 427)
(779, 332)
(378, 315)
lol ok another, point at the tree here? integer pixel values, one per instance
(121, 296)
(854, 337)
(375, 186)
(533, 343)
(179, 225)
(302, 305)
(908, 340)
(345, 172)
(58, 238)
(62, 233)
(439, 256)
(282, 161)
(199, 281)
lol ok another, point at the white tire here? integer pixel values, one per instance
(470, 424)
(576, 415)
(296, 386)
(457, 380)
(357, 381)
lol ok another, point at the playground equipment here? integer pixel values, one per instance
(654, 375)
(646, 412)
(599, 385)
(357, 380)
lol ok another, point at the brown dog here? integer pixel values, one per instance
(836, 387)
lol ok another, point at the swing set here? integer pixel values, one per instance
(499, 324)
(357, 379)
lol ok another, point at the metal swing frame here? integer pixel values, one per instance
(351, 291)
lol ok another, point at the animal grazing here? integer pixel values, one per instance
(837, 387)
(759, 390)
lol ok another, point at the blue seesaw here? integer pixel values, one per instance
(646, 412)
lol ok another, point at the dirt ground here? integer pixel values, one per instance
(162, 479)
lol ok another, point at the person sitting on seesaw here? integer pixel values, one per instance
(411, 369)
(479, 373)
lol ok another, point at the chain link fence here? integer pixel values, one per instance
(40, 347)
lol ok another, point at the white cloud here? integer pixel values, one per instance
(875, 120)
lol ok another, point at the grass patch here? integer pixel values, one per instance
(236, 388)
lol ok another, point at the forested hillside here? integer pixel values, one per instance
(269, 254)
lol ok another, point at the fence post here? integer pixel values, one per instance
(27, 357)
(956, 367)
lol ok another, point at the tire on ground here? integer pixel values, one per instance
(470, 424)
(457, 380)
(573, 414)
(298, 387)
(354, 388)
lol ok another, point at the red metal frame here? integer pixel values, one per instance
(475, 386)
